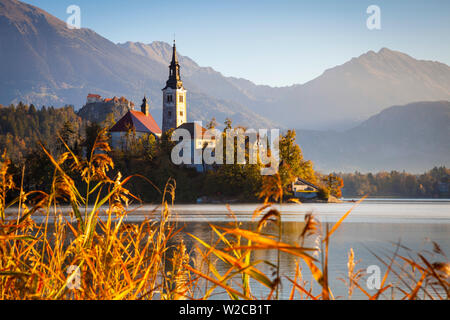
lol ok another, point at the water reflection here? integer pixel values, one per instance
(375, 225)
(379, 238)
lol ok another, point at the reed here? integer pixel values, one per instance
(145, 260)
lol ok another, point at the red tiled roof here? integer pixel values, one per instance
(138, 121)
(93, 95)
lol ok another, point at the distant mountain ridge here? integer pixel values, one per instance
(414, 137)
(341, 97)
(45, 63)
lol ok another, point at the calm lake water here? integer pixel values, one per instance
(375, 225)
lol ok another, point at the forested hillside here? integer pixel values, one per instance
(23, 126)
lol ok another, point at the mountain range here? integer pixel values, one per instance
(413, 137)
(340, 98)
(45, 63)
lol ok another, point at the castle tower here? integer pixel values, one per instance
(174, 97)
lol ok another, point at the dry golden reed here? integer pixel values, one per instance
(145, 260)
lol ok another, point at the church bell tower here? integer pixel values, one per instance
(174, 97)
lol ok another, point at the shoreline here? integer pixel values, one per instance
(206, 200)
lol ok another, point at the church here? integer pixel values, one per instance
(174, 115)
(139, 122)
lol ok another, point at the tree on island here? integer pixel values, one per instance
(292, 165)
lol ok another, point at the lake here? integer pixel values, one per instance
(374, 225)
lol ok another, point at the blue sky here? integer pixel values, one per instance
(277, 43)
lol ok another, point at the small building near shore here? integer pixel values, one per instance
(304, 189)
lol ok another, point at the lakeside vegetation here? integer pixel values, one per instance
(434, 183)
(24, 128)
(139, 261)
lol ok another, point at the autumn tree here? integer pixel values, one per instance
(334, 184)
(212, 124)
(292, 164)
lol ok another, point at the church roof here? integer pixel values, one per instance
(137, 121)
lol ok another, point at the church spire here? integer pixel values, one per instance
(174, 54)
(174, 81)
(144, 106)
